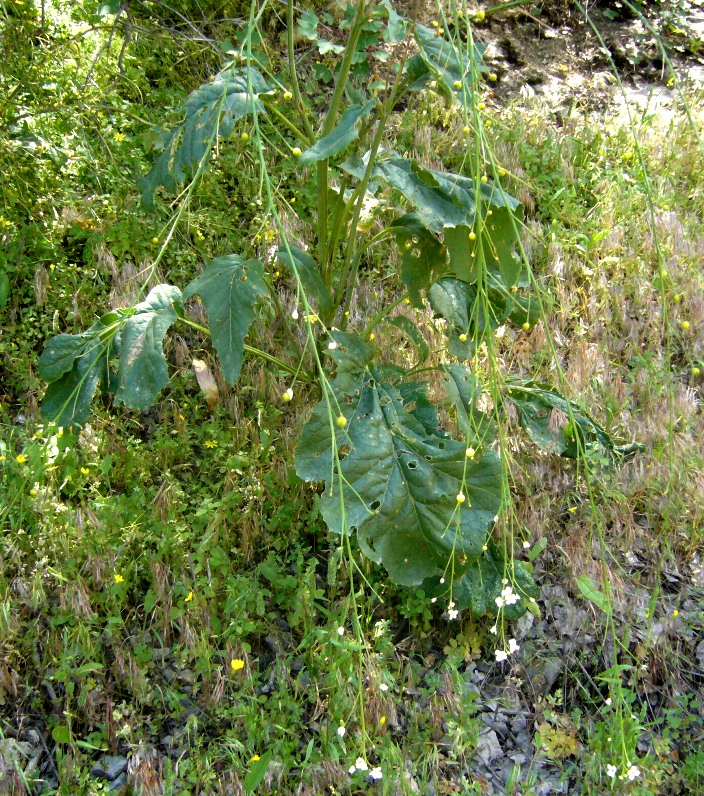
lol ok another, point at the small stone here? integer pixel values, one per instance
(109, 767)
(118, 783)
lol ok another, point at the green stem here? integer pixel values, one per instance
(295, 88)
(347, 282)
(504, 7)
(349, 268)
(379, 317)
(360, 18)
(300, 135)
(257, 352)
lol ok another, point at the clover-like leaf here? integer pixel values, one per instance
(229, 288)
(143, 373)
(211, 114)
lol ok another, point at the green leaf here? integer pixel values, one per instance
(229, 288)
(302, 263)
(448, 63)
(68, 397)
(399, 480)
(342, 134)
(143, 372)
(397, 25)
(409, 328)
(464, 263)
(423, 257)
(109, 8)
(61, 734)
(4, 289)
(256, 773)
(589, 590)
(478, 588)
(535, 404)
(60, 353)
(463, 390)
(500, 241)
(308, 25)
(211, 113)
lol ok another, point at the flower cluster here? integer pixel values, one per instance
(502, 655)
(507, 597)
(360, 764)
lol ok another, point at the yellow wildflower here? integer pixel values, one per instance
(236, 664)
(119, 578)
(189, 597)
(211, 443)
(254, 758)
(21, 459)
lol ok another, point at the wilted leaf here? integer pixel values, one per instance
(207, 383)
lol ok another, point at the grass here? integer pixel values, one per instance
(144, 557)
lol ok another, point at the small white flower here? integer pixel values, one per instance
(442, 580)
(340, 631)
(295, 315)
(633, 773)
(500, 655)
(341, 731)
(287, 396)
(450, 605)
(512, 646)
(375, 773)
(526, 544)
(500, 602)
(611, 771)
(433, 599)
(607, 701)
(494, 630)
(351, 770)
(383, 687)
(452, 614)
(361, 764)
(332, 346)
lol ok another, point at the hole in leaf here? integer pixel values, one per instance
(343, 451)
(374, 505)
(412, 464)
(441, 445)
(429, 458)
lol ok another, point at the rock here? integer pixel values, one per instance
(119, 782)
(488, 747)
(109, 767)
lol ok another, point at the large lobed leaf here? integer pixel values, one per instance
(211, 114)
(143, 372)
(398, 477)
(229, 288)
(74, 365)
